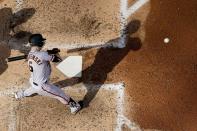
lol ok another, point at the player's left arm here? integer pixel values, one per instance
(56, 58)
(51, 57)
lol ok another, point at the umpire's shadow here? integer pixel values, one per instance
(10, 39)
(105, 61)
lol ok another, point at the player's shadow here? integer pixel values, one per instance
(105, 61)
(10, 39)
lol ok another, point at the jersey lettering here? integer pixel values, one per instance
(30, 66)
(36, 59)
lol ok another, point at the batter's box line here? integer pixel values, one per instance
(7, 93)
(18, 5)
(119, 87)
(125, 13)
(12, 115)
(84, 45)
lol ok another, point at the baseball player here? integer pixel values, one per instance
(40, 68)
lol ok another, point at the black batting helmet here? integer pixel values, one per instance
(36, 40)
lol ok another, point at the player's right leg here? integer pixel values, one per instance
(24, 93)
(55, 92)
(27, 92)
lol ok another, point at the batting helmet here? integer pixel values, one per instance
(36, 40)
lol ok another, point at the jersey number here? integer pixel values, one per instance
(30, 67)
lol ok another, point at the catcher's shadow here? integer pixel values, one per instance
(105, 61)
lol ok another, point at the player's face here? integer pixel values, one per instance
(44, 42)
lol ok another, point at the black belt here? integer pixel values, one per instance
(37, 84)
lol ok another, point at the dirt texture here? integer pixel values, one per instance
(161, 78)
(73, 21)
(42, 113)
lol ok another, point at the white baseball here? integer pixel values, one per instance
(166, 40)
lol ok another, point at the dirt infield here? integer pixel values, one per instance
(160, 78)
(48, 114)
(73, 21)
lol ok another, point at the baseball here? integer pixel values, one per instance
(166, 40)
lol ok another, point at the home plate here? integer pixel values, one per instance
(71, 66)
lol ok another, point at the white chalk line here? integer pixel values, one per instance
(18, 5)
(83, 45)
(125, 13)
(12, 115)
(13, 120)
(114, 86)
(135, 7)
(77, 45)
(122, 120)
(123, 22)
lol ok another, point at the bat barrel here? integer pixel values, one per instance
(10, 59)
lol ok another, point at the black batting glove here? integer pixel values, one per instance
(53, 51)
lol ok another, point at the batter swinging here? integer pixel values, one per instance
(40, 68)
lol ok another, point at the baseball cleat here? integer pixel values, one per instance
(74, 106)
(74, 109)
(18, 95)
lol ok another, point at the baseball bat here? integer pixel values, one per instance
(16, 58)
(10, 59)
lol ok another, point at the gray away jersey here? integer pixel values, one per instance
(39, 65)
